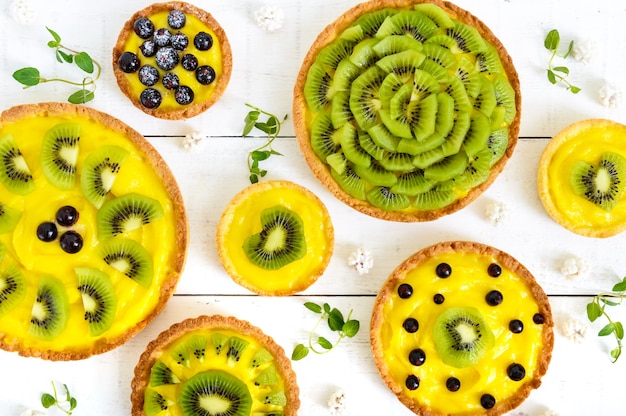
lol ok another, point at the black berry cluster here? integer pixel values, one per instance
(71, 241)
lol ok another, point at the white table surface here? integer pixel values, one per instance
(581, 379)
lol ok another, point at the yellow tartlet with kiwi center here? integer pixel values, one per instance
(214, 365)
(461, 328)
(275, 238)
(589, 142)
(28, 262)
(218, 57)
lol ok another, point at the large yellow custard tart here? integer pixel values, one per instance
(582, 176)
(461, 328)
(173, 60)
(93, 233)
(275, 238)
(407, 110)
(214, 365)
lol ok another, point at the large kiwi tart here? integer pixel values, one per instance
(582, 176)
(93, 231)
(407, 110)
(214, 365)
(461, 328)
(173, 60)
(275, 238)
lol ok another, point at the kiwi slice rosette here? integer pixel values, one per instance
(461, 328)
(407, 110)
(214, 365)
(93, 231)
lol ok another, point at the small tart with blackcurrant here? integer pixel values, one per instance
(93, 231)
(275, 238)
(461, 328)
(173, 60)
(214, 365)
(582, 176)
(407, 110)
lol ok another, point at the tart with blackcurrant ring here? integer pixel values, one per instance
(407, 110)
(214, 365)
(275, 238)
(173, 60)
(461, 328)
(93, 231)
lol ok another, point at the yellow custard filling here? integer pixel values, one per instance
(35, 258)
(467, 286)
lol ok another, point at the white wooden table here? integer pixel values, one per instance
(581, 379)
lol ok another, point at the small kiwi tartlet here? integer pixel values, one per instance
(93, 231)
(275, 238)
(173, 60)
(461, 328)
(582, 176)
(214, 365)
(407, 110)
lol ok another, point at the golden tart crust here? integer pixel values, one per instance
(241, 218)
(197, 106)
(141, 305)
(466, 286)
(155, 349)
(584, 140)
(302, 116)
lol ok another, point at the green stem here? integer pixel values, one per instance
(597, 300)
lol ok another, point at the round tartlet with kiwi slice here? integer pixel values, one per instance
(461, 328)
(93, 231)
(172, 59)
(275, 238)
(407, 110)
(214, 365)
(582, 176)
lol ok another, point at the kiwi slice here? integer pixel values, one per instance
(436, 14)
(488, 61)
(477, 135)
(476, 172)
(363, 54)
(214, 392)
(383, 198)
(370, 22)
(435, 198)
(126, 213)
(99, 299)
(467, 74)
(407, 22)
(447, 168)
(353, 34)
(399, 162)
(505, 97)
(267, 377)
(260, 357)
(59, 154)
(383, 138)
(454, 140)
(9, 218)
(345, 73)
(130, 258)
(412, 183)
(462, 337)
(602, 184)
(350, 182)
(368, 144)
(51, 309)
(485, 101)
(497, 144)
(219, 342)
(427, 158)
(236, 347)
(402, 63)
(396, 43)
(337, 162)
(340, 113)
(154, 403)
(12, 287)
(99, 172)
(280, 242)
(317, 87)
(352, 149)
(197, 345)
(467, 37)
(277, 398)
(376, 174)
(445, 114)
(364, 98)
(323, 139)
(332, 54)
(161, 375)
(14, 172)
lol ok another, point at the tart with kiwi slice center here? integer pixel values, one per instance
(461, 328)
(93, 231)
(407, 110)
(275, 238)
(214, 365)
(172, 60)
(582, 175)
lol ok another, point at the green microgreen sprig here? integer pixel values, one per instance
(30, 76)
(344, 327)
(597, 308)
(558, 73)
(66, 404)
(271, 127)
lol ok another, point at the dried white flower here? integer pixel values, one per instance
(496, 212)
(574, 330)
(30, 412)
(610, 96)
(574, 267)
(583, 51)
(549, 412)
(361, 260)
(22, 11)
(269, 18)
(191, 140)
(337, 403)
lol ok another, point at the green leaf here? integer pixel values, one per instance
(607, 330)
(608, 302)
(551, 77)
(616, 352)
(314, 307)
(84, 62)
(64, 56)
(264, 127)
(619, 330)
(351, 328)
(574, 89)
(552, 40)
(47, 400)
(254, 178)
(562, 69)
(250, 120)
(620, 287)
(54, 34)
(73, 403)
(27, 76)
(274, 152)
(259, 155)
(299, 352)
(335, 320)
(81, 97)
(569, 49)
(324, 343)
(67, 393)
(326, 308)
(593, 311)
